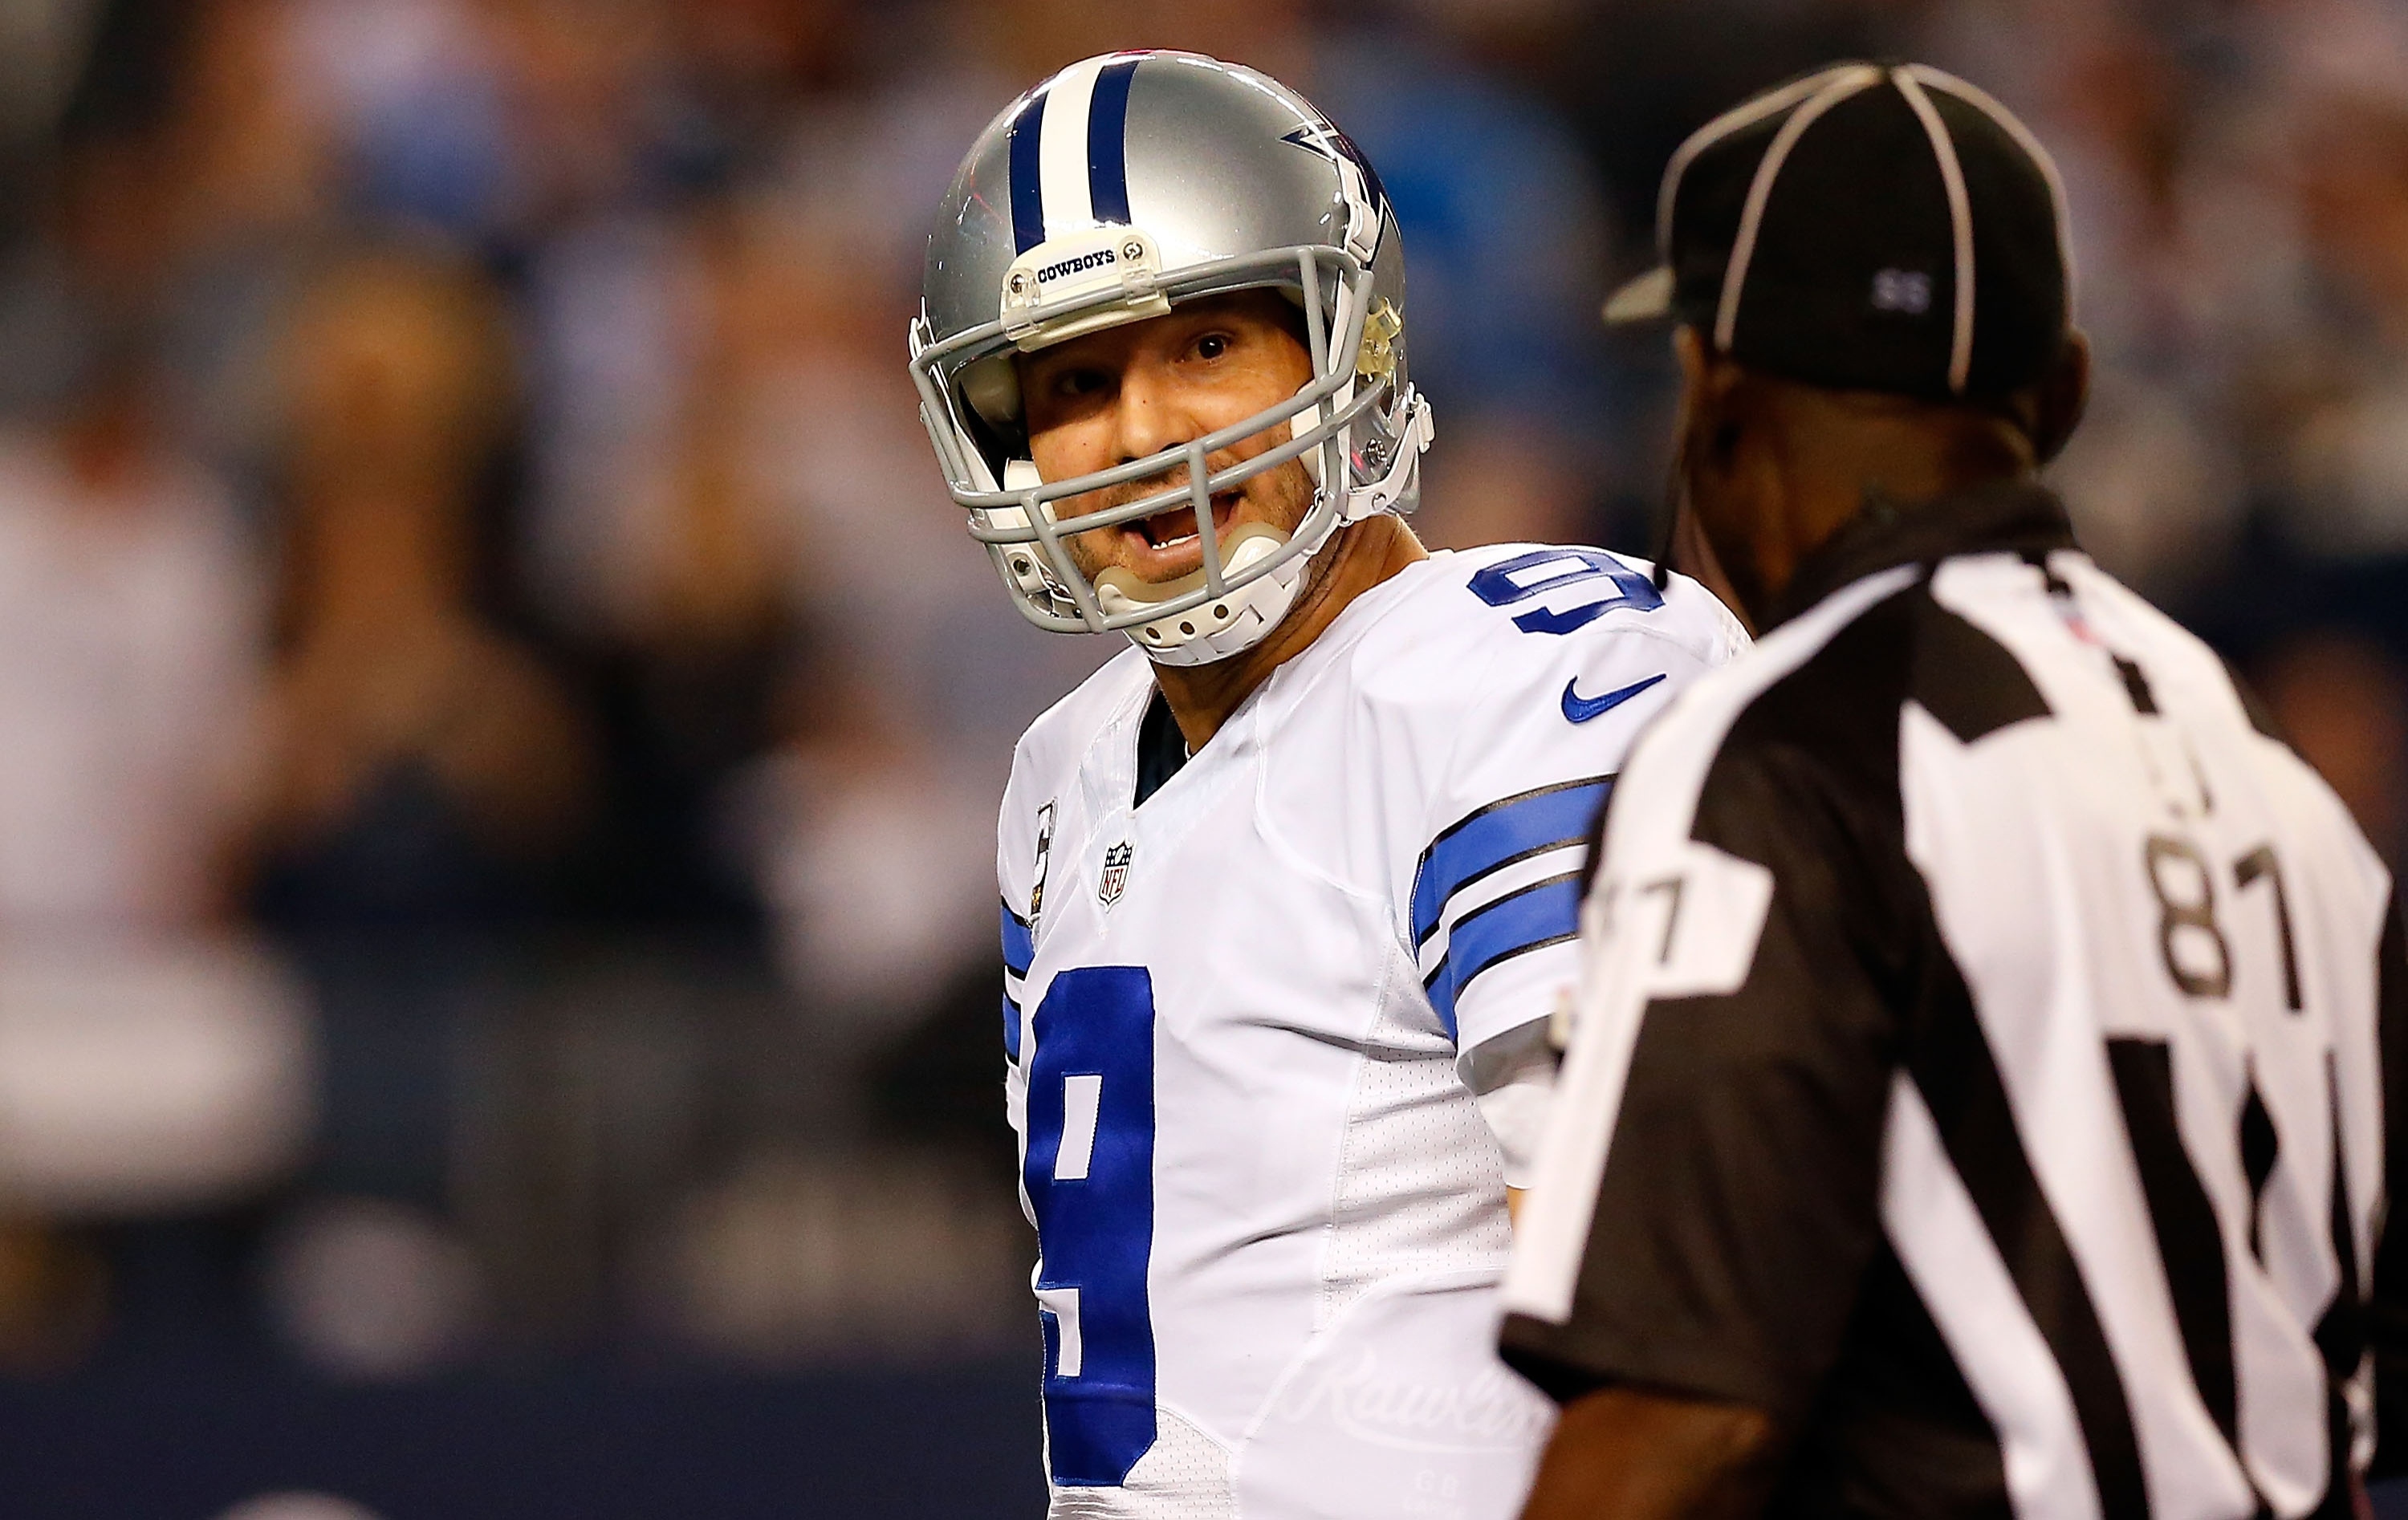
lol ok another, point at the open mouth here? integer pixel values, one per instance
(1176, 527)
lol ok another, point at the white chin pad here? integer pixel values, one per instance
(1218, 628)
(1120, 592)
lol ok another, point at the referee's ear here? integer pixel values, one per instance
(2053, 407)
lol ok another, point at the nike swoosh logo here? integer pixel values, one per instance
(1581, 708)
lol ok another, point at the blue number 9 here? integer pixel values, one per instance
(1089, 1172)
(1526, 576)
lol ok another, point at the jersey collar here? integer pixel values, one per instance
(2011, 516)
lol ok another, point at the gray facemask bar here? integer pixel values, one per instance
(940, 412)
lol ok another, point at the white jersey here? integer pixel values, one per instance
(1246, 1020)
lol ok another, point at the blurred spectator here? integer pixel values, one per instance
(657, 542)
(130, 637)
(873, 861)
(151, 1062)
(2348, 458)
(425, 762)
(2341, 700)
(372, 1289)
(1505, 239)
(415, 99)
(1636, 76)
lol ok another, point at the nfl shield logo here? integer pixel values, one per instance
(1116, 865)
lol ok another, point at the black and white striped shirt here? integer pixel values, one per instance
(1977, 1065)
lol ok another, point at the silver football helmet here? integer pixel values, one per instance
(1112, 190)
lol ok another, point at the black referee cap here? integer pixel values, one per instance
(1865, 227)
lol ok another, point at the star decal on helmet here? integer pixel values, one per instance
(1324, 138)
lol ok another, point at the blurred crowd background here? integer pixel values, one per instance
(500, 725)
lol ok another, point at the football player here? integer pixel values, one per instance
(1289, 887)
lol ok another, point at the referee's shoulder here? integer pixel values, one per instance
(1810, 685)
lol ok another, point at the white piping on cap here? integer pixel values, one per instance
(1960, 225)
(1848, 82)
(1745, 114)
(1981, 101)
(1062, 147)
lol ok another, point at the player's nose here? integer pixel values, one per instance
(1147, 415)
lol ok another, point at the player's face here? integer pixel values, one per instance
(1129, 392)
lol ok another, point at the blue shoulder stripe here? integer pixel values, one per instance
(1107, 141)
(1027, 189)
(1505, 831)
(1540, 914)
(1019, 946)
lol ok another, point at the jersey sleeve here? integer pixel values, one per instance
(1022, 841)
(1495, 889)
(1494, 903)
(1708, 1199)
(1015, 855)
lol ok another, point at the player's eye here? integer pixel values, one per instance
(1076, 383)
(1212, 346)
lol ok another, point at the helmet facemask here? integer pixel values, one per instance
(1122, 187)
(1356, 427)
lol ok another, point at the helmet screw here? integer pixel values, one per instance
(1018, 283)
(1133, 250)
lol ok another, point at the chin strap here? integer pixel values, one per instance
(1254, 610)
(1246, 616)
(1387, 493)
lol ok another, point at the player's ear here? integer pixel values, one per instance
(2058, 399)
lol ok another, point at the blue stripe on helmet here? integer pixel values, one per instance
(1027, 191)
(1108, 142)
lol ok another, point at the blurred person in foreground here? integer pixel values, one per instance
(1288, 886)
(427, 765)
(1975, 1098)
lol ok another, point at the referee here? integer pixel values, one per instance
(1975, 1102)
